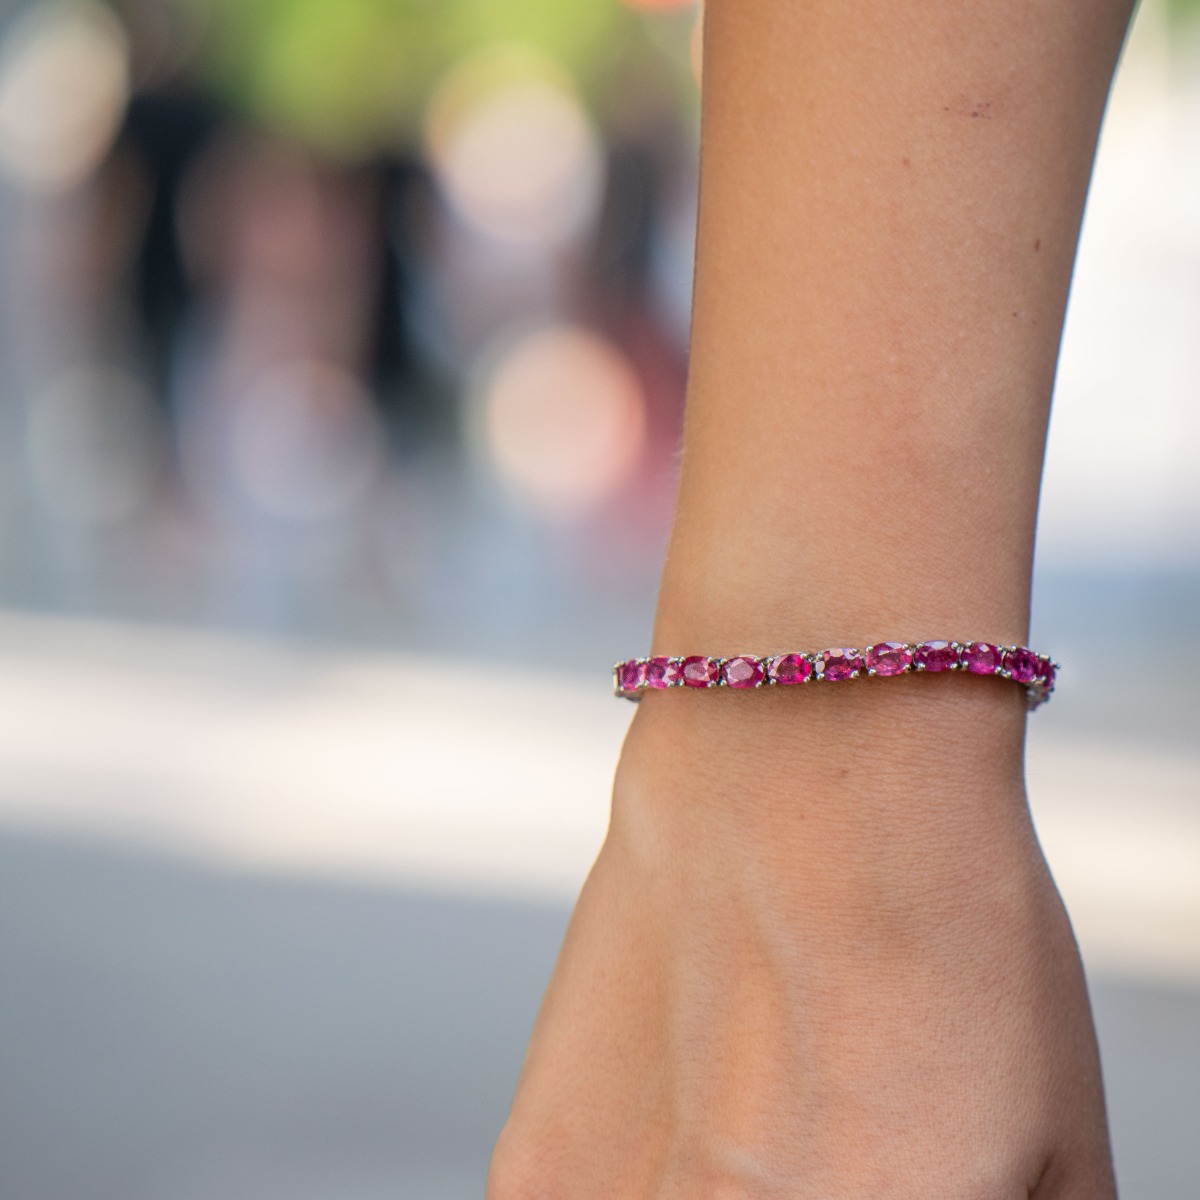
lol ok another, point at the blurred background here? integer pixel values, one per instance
(341, 336)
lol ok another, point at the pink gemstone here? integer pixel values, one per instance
(981, 658)
(789, 668)
(1021, 664)
(888, 658)
(630, 675)
(662, 672)
(742, 671)
(935, 656)
(1045, 673)
(700, 672)
(839, 664)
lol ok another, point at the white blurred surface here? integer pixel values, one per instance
(396, 768)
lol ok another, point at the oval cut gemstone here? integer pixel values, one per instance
(661, 672)
(789, 668)
(888, 658)
(1021, 664)
(699, 672)
(935, 656)
(981, 658)
(1045, 674)
(839, 664)
(631, 675)
(742, 671)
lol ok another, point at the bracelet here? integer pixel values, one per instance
(1035, 671)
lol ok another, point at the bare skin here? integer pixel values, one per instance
(820, 954)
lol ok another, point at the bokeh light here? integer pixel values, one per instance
(306, 445)
(64, 85)
(563, 419)
(514, 151)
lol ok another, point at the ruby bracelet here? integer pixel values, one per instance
(1035, 671)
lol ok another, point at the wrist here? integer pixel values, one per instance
(920, 732)
(906, 794)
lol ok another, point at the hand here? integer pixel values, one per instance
(811, 973)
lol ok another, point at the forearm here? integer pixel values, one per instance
(889, 207)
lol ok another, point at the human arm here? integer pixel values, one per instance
(820, 953)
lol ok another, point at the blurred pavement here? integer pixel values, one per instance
(275, 922)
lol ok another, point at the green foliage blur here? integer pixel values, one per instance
(1182, 16)
(351, 77)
